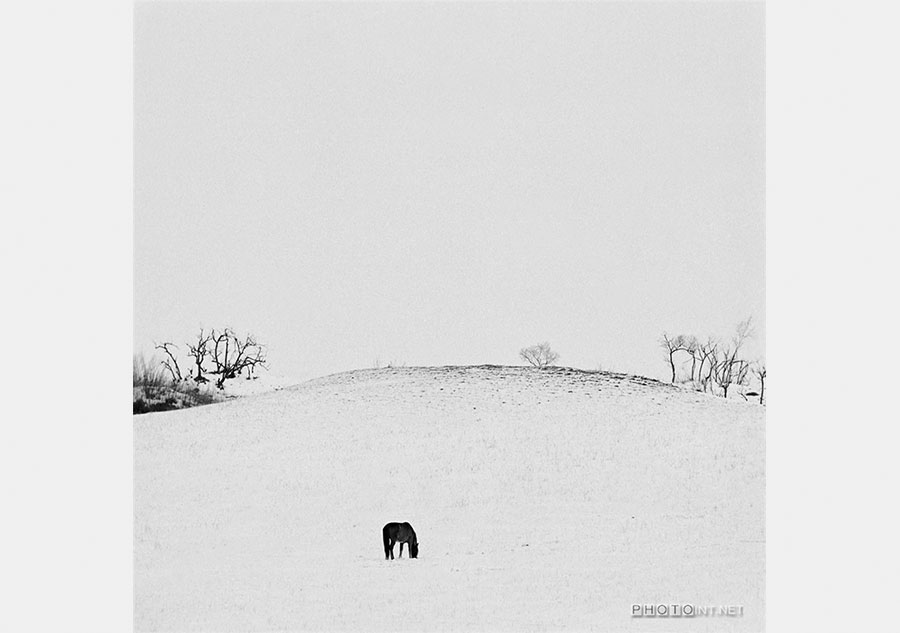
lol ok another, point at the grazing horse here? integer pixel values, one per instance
(403, 532)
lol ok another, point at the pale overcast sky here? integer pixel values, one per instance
(446, 183)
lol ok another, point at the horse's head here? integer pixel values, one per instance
(414, 549)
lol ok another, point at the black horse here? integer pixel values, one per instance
(403, 532)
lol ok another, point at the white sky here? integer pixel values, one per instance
(447, 183)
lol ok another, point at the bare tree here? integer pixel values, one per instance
(706, 352)
(673, 345)
(760, 370)
(692, 347)
(723, 369)
(170, 362)
(539, 356)
(729, 369)
(199, 352)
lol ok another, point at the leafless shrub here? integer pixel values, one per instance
(170, 362)
(199, 352)
(232, 355)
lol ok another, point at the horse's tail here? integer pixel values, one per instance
(387, 541)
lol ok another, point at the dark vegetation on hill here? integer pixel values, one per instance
(153, 390)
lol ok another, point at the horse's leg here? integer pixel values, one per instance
(401, 549)
(392, 548)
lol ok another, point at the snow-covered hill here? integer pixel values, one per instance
(543, 500)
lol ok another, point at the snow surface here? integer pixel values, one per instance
(542, 500)
(262, 382)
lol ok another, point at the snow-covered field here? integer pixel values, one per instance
(543, 500)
